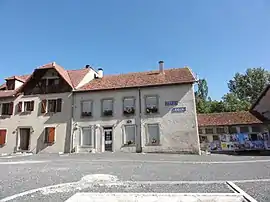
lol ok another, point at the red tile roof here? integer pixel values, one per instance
(141, 79)
(77, 75)
(73, 78)
(227, 118)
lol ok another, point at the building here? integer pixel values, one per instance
(224, 131)
(261, 108)
(147, 111)
(36, 109)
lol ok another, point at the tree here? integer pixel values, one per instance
(201, 96)
(248, 86)
(232, 104)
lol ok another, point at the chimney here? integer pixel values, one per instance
(161, 67)
(87, 66)
(100, 72)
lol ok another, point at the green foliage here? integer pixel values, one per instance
(244, 90)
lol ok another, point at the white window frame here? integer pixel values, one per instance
(54, 99)
(157, 103)
(134, 105)
(148, 142)
(207, 129)
(91, 137)
(125, 135)
(24, 106)
(102, 106)
(91, 108)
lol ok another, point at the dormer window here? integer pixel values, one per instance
(10, 84)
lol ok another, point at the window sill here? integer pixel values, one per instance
(107, 115)
(25, 113)
(152, 145)
(128, 115)
(87, 146)
(86, 117)
(128, 145)
(49, 143)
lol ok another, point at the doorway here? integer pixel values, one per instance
(108, 134)
(24, 139)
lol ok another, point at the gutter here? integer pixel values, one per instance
(71, 122)
(139, 133)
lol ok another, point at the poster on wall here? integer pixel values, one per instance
(266, 137)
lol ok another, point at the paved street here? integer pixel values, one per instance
(57, 178)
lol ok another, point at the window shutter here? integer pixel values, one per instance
(59, 105)
(51, 135)
(32, 105)
(10, 110)
(3, 137)
(20, 107)
(43, 106)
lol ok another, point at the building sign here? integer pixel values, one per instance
(171, 103)
(178, 109)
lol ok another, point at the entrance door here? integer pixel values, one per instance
(24, 139)
(108, 138)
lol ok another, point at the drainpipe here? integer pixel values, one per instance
(139, 122)
(71, 122)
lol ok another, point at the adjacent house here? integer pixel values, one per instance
(224, 131)
(36, 109)
(261, 108)
(146, 111)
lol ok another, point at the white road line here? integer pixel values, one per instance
(183, 162)
(155, 197)
(108, 180)
(20, 162)
(240, 191)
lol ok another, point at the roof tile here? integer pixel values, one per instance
(141, 79)
(227, 118)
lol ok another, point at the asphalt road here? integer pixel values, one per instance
(27, 178)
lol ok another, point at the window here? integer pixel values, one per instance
(7, 108)
(244, 129)
(3, 134)
(256, 129)
(200, 131)
(220, 130)
(86, 136)
(209, 131)
(107, 107)
(86, 108)
(232, 130)
(129, 106)
(151, 103)
(29, 106)
(215, 138)
(130, 133)
(203, 139)
(51, 105)
(253, 137)
(50, 135)
(153, 134)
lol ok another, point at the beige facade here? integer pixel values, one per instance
(18, 123)
(164, 131)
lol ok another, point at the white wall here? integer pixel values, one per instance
(178, 130)
(60, 120)
(88, 77)
(264, 106)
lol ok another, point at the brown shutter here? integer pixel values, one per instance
(32, 105)
(3, 137)
(51, 135)
(59, 105)
(43, 106)
(10, 109)
(20, 107)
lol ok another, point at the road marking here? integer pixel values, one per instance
(89, 181)
(155, 197)
(240, 191)
(183, 162)
(20, 162)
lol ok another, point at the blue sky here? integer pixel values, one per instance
(215, 38)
